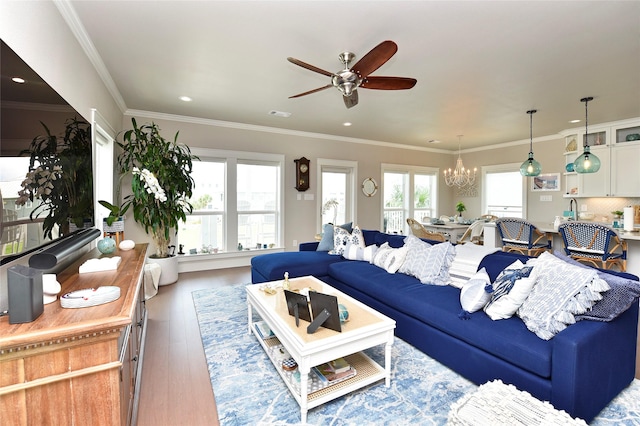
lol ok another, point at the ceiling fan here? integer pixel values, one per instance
(350, 78)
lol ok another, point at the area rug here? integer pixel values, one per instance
(249, 391)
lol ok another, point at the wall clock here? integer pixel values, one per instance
(302, 174)
(369, 187)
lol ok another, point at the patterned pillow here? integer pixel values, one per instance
(326, 243)
(355, 252)
(561, 291)
(624, 292)
(390, 259)
(342, 237)
(430, 264)
(474, 295)
(510, 290)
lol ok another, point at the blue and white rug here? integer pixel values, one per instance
(249, 391)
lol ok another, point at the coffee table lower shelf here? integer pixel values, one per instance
(367, 372)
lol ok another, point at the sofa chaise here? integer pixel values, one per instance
(580, 370)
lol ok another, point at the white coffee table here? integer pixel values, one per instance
(365, 328)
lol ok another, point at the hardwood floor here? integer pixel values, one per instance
(176, 389)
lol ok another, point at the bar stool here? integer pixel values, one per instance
(521, 236)
(594, 244)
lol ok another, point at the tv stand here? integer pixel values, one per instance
(78, 366)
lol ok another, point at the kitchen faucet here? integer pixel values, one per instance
(575, 215)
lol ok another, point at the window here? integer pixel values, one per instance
(257, 196)
(337, 185)
(408, 192)
(236, 200)
(503, 192)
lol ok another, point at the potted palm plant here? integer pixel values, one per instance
(161, 186)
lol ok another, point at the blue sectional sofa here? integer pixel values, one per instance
(579, 370)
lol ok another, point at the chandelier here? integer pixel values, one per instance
(460, 176)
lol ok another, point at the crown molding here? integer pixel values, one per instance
(275, 130)
(73, 21)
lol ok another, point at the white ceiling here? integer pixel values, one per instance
(480, 65)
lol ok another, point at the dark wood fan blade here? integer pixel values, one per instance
(309, 67)
(375, 58)
(388, 83)
(311, 91)
(351, 100)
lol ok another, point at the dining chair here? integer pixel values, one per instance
(473, 233)
(595, 244)
(489, 217)
(521, 236)
(421, 232)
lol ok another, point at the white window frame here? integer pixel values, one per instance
(350, 168)
(230, 215)
(409, 202)
(104, 181)
(501, 168)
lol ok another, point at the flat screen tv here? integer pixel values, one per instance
(46, 176)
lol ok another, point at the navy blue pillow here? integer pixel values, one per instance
(623, 293)
(326, 243)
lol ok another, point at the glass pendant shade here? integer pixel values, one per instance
(587, 162)
(530, 167)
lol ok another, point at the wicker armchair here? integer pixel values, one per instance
(421, 232)
(594, 244)
(474, 233)
(521, 236)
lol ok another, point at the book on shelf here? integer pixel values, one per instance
(334, 370)
(263, 330)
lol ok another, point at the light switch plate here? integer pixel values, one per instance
(546, 198)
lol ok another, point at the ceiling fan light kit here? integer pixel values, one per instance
(349, 79)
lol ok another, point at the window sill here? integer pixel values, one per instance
(220, 260)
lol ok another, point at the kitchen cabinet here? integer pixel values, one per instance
(617, 145)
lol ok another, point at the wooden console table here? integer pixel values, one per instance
(78, 366)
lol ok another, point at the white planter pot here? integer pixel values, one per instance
(169, 266)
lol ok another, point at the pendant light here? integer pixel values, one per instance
(587, 162)
(530, 167)
(460, 176)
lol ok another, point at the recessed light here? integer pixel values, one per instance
(18, 80)
(185, 99)
(280, 113)
(574, 121)
(347, 124)
(434, 141)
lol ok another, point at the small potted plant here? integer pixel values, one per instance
(460, 207)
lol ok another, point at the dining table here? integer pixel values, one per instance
(453, 231)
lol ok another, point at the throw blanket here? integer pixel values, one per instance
(465, 264)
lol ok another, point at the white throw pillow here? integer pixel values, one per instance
(474, 295)
(342, 237)
(390, 259)
(511, 289)
(355, 252)
(428, 263)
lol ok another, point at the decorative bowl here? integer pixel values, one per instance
(633, 137)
